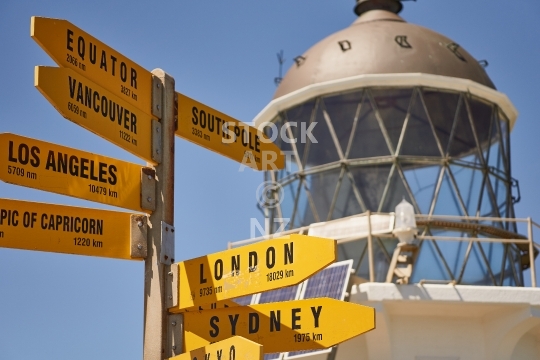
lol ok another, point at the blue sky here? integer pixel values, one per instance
(222, 53)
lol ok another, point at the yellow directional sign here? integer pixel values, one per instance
(251, 269)
(62, 170)
(227, 136)
(96, 109)
(64, 229)
(282, 326)
(229, 349)
(215, 305)
(72, 48)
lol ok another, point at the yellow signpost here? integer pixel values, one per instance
(251, 269)
(62, 170)
(65, 229)
(282, 326)
(227, 136)
(229, 349)
(71, 47)
(96, 109)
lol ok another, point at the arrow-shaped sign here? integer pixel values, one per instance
(251, 269)
(282, 326)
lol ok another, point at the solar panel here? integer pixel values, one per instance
(282, 294)
(272, 356)
(330, 282)
(243, 300)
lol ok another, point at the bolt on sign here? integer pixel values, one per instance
(281, 326)
(233, 348)
(66, 171)
(250, 269)
(91, 106)
(72, 48)
(227, 136)
(65, 229)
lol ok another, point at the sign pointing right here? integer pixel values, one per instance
(282, 326)
(250, 269)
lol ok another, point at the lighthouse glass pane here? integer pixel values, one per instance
(368, 139)
(481, 113)
(320, 146)
(323, 187)
(393, 106)
(346, 202)
(422, 181)
(442, 107)
(419, 138)
(343, 111)
(371, 182)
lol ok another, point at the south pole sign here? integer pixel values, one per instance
(251, 269)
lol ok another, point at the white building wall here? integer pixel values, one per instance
(445, 322)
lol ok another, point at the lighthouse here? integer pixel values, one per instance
(398, 146)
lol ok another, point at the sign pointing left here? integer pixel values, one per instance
(233, 348)
(72, 48)
(62, 170)
(70, 230)
(91, 106)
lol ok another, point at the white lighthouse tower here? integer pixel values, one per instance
(408, 167)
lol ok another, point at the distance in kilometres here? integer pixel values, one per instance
(66, 171)
(65, 229)
(72, 48)
(282, 326)
(251, 269)
(96, 109)
(227, 136)
(234, 348)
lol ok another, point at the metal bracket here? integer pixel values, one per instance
(172, 287)
(156, 141)
(167, 244)
(157, 95)
(175, 330)
(139, 236)
(148, 188)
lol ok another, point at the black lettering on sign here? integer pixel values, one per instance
(232, 353)
(316, 314)
(10, 215)
(83, 46)
(88, 169)
(202, 279)
(270, 257)
(289, 253)
(25, 154)
(275, 320)
(107, 108)
(213, 323)
(252, 261)
(296, 318)
(233, 319)
(253, 323)
(235, 265)
(218, 269)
